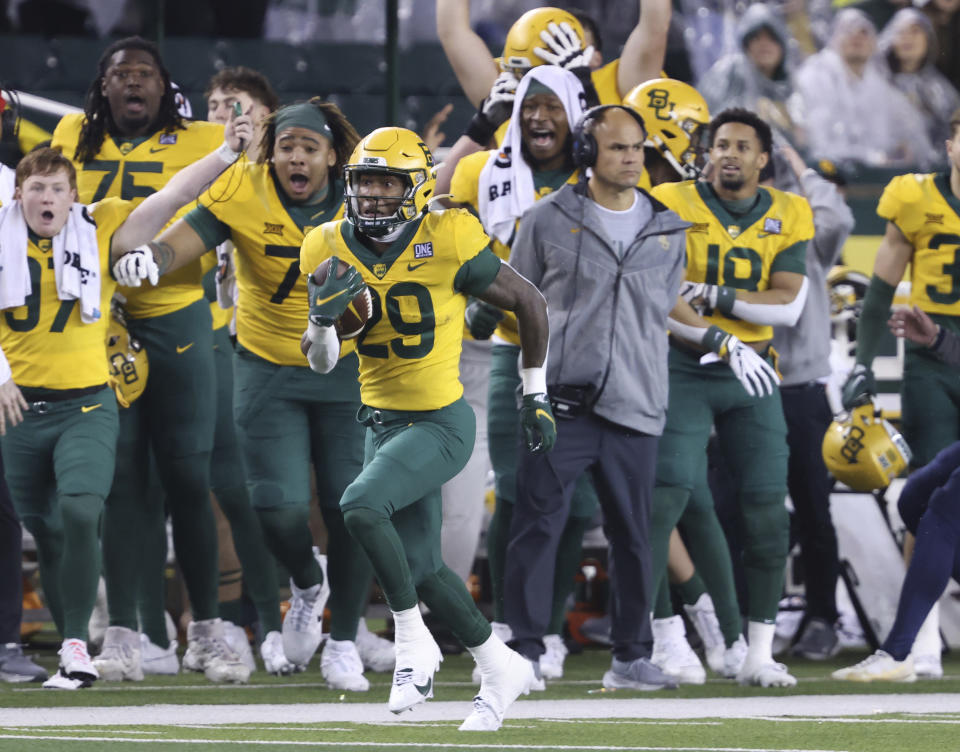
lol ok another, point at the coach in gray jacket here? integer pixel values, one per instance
(609, 259)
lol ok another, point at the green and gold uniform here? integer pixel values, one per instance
(741, 251)
(59, 461)
(287, 416)
(503, 418)
(925, 210)
(175, 417)
(421, 429)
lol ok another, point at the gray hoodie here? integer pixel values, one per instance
(608, 316)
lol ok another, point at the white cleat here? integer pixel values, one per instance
(274, 660)
(377, 654)
(303, 625)
(341, 667)
(417, 662)
(158, 661)
(75, 661)
(120, 658)
(60, 681)
(237, 639)
(733, 658)
(209, 652)
(704, 618)
(673, 654)
(768, 674)
(879, 666)
(551, 662)
(928, 666)
(498, 691)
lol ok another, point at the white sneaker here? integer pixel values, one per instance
(497, 693)
(237, 639)
(928, 666)
(274, 660)
(158, 661)
(377, 654)
(766, 674)
(60, 681)
(879, 666)
(503, 631)
(551, 662)
(303, 625)
(341, 666)
(673, 654)
(208, 651)
(704, 618)
(75, 661)
(417, 662)
(119, 659)
(733, 658)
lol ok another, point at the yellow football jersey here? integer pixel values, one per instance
(272, 294)
(465, 185)
(740, 253)
(134, 169)
(45, 341)
(410, 349)
(925, 210)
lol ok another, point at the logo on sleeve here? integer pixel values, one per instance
(772, 226)
(422, 250)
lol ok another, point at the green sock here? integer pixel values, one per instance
(286, 531)
(378, 537)
(448, 599)
(152, 584)
(662, 606)
(569, 554)
(48, 534)
(497, 538)
(80, 565)
(350, 575)
(690, 590)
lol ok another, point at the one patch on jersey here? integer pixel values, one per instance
(934, 219)
(422, 250)
(772, 226)
(271, 229)
(733, 231)
(168, 139)
(126, 147)
(379, 270)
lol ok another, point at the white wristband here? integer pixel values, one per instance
(228, 155)
(534, 380)
(5, 373)
(324, 351)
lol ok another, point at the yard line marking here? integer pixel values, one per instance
(781, 719)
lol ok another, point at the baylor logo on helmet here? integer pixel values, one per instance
(660, 103)
(853, 445)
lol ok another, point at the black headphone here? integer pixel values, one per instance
(584, 144)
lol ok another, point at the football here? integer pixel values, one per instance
(351, 323)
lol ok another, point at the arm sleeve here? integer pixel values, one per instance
(476, 274)
(324, 352)
(786, 314)
(873, 319)
(210, 229)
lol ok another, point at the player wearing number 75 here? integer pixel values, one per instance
(288, 417)
(419, 267)
(58, 416)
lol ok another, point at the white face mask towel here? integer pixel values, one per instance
(506, 188)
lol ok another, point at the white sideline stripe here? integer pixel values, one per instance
(654, 708)
(861, 720)
(339, 743)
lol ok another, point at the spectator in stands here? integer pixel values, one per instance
(909, 48)
(945, 15)
(758, 76)
(850, 111)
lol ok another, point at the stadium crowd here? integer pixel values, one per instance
(613, 284)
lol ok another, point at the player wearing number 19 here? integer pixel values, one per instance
(420, 266)
(287, 416)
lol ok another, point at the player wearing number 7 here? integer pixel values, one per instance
(420, 266)
(288, 417)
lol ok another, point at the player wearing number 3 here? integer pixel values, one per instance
(420, 266)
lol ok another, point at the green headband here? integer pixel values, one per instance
(303, 115)
(536, 87)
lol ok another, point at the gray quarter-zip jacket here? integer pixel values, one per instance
(608, 316)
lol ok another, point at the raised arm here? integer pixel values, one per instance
(469, 57)
(646, 47)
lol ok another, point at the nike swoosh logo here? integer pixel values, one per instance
(154, 149)
(327, 300)
(88, 408)
(184, 348)
(424, 689)
(412, 267)
(541, 413)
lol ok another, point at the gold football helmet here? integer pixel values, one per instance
(676, 117)
(391, 151)
(126, 360)
(518, 55)
(864, 451)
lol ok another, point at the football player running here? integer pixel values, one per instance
(58, 415)
(745, 269)
(129, 141)
(420, 267)
(923, 224)
(289, 418)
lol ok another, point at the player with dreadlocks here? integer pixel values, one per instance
(129, 142)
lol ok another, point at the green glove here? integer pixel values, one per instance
(859, 387)
(539, 426)
(482, 318)
(329, 300)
